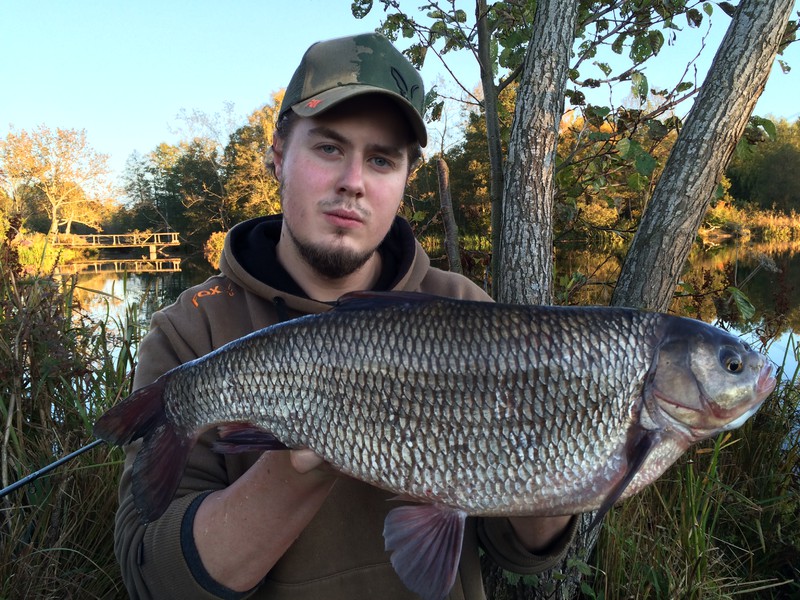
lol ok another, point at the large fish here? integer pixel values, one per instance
(469, 408)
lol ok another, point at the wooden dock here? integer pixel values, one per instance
(138, 239)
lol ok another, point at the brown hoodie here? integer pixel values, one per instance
(340, 555)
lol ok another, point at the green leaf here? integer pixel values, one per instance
(684, 86)
(637, 182)
(743, 304)
(727, 8)
(361, 8)
(618, 43)
(583, 568)
(599, 136)
(641, 49)
(639, 86)
(656, 39)
(624, 147)
(604, 67)
(708, 8)
(656, 129)
(531, 580)
(587, 590)
(601, 112)
(645, 163)
(766, 125)
(694, 17)
(577, 98)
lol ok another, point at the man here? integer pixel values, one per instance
(283, 524)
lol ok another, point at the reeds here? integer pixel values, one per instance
(57, 373)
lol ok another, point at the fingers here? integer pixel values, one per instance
(305, 460)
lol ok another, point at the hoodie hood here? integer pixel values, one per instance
(249, 259)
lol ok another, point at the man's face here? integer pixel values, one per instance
(342, 178)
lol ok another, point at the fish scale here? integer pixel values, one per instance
(466, 407)
(413, 389)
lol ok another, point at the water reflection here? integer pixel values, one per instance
(121, 296)
(766, 273)
(122, 265)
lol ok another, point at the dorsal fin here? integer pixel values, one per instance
(372, 300)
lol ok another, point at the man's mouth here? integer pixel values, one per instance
(344, 218)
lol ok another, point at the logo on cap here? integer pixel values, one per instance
(402, 86)
(313, 103)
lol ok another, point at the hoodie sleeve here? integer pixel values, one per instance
(501, 543)
(152, 557)
(156, 559)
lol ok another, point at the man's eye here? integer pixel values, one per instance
(328, 148)
(381, 162)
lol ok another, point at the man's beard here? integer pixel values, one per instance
(331, 264)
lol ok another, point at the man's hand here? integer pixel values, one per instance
(243, 530)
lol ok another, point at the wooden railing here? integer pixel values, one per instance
(118, 240)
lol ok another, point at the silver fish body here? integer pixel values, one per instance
(476, 408)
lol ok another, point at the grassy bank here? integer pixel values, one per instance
(724, 219)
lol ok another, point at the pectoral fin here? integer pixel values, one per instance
(236, 438)
(640, 442)
(425, 541)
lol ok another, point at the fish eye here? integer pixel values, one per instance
(731, 360)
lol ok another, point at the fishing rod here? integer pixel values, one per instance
(44, 470)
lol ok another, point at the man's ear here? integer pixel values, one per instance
(277, 154)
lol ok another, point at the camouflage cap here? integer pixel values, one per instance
(336, 70)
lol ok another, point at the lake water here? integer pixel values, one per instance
(767, 274)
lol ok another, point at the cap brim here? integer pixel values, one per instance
(319, 103)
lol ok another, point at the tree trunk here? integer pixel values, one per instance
(492, 136)
(448, 219)
(526, 246)
(713, 127)
(53, 231)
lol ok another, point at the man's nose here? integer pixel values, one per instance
(351, 181)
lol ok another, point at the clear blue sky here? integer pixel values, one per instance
(124, 70)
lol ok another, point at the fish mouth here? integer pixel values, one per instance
(766, 382)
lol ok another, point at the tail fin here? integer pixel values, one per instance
(134, 416)
(162, 458)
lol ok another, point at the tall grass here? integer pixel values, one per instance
(57, 373)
